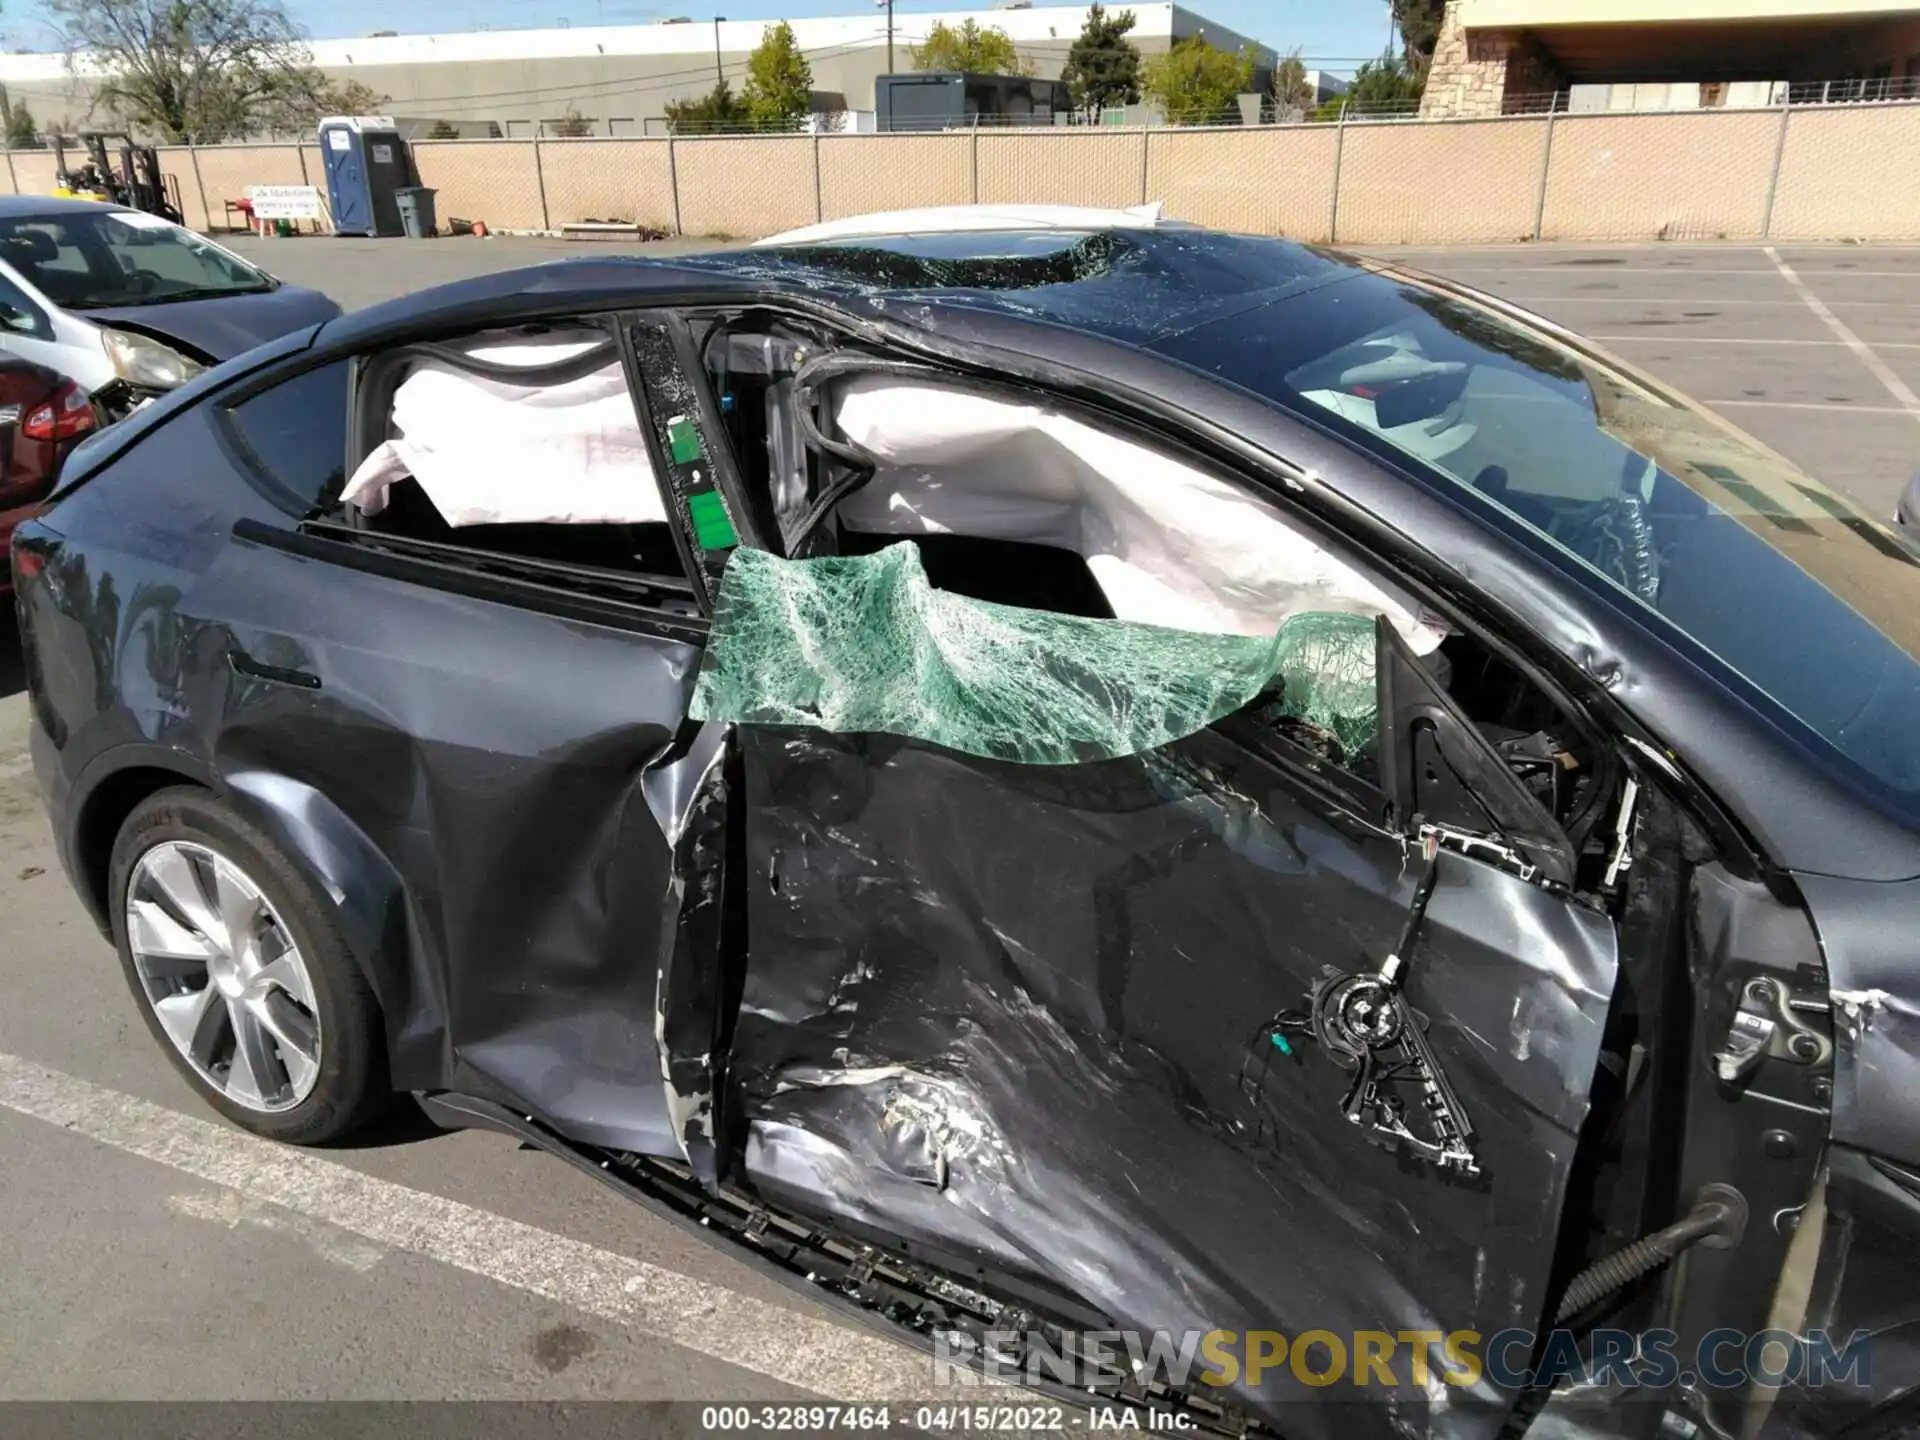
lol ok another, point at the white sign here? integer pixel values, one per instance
(382, 154)
(284, 202)
(338, 140)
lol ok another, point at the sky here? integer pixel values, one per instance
(1334, 35)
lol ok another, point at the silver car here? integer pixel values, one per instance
(130, 305)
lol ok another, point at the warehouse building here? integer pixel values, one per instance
(620, 79)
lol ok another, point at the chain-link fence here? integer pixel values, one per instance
(1833, 170)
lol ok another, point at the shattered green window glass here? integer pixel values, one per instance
(866, 644)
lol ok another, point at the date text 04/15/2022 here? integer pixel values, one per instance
(982, 1419)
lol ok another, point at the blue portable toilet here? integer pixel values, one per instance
(366, 162)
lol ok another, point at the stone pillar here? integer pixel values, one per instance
(1477, 74)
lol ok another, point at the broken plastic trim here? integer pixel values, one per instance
(867, 645)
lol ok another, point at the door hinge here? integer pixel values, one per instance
(1768, 1025)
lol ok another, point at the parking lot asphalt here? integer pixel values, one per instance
(148, 1251)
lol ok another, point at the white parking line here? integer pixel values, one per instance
(1807, 405)
(1656, 339)
(1599, 271)
(1716, 340)
(781, 1344)
(1672, 300)
(1882, 372)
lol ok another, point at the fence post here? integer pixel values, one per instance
(819, 208)
(193, 158)
(301, 152)
(973, 162)
(1145, 155)
(1773, 180)
(673, 183)
(1546, 166)
(12, 178)
(540, 179)
(1333, 200)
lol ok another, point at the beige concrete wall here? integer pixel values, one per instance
(1667, 177)
(1849, 175)
(227, 170)
(1276, 181)
(195, 201)
(860, 174)
(745, 187)
(1845, 173)
(1416, 182)
(1062, 167)
(608, 180)
(489, 180)
(32, 171)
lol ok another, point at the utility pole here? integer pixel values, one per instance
(889, 5)
(719, 75)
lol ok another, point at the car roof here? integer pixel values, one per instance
(1129, 284)
(977, 219)
(12, 206)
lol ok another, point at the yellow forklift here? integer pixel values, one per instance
(136, 183)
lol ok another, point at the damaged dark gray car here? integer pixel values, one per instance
(1052, 781)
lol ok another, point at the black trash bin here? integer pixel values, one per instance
(416, 211)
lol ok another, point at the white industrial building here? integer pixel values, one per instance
(620, 78)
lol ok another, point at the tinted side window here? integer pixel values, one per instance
(20, 315)
(295, 435)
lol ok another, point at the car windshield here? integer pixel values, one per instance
(87, 260)
(1811, 601)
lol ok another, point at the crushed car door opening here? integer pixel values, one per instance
(1017, 968)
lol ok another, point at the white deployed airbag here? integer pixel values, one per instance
(490, 451)
(1168, 544)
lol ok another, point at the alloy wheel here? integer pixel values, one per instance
(224, 977)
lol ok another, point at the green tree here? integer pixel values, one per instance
(971, 49)
(1103, 67)
(1386, 87)
(1293, 94)
(443, 130)
(1195, 83)
(23, 132)
(717, 111)
(572, 125)
(1419, 24)
(203, 70)
(779, 88)
(343, 97)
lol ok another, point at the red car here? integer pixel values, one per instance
(43, 415)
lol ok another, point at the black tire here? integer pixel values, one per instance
(352, 1086)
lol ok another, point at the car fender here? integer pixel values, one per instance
(84, 846)
(370, 901)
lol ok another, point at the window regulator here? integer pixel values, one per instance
(1362, 1021)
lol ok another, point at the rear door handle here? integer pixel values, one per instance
(245, 664)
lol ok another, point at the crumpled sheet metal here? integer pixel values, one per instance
(866, 644)
(1002, 1013)
(508, 784)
